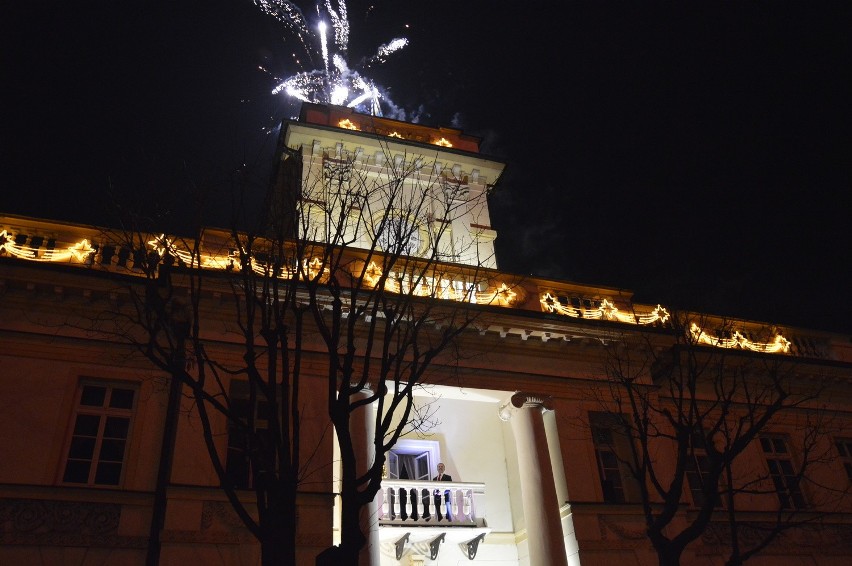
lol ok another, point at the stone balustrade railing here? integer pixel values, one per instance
(427, 503)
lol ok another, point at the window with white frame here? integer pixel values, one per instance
(782, 471)
(97, 449)
(413, 459)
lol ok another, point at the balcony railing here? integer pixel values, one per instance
(430, 503)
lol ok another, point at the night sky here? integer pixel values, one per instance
(697, 153)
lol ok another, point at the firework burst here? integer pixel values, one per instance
(326, 76)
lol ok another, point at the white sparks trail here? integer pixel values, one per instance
(335, 82)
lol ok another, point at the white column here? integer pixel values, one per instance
(572, 547)
(362, 427)
(538, 488)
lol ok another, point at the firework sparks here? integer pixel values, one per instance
(335, 81)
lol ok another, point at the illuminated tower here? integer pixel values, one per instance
(370, 182)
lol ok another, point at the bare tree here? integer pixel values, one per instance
(376, 310)
(344, 277)
(686, 407)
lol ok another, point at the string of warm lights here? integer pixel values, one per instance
(606, 311)
(737, 340)
(78, 252)
(348, 124)
(503, 296)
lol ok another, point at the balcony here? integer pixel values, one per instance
(421, 515)
(429, 504)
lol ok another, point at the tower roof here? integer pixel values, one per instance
(346, 118)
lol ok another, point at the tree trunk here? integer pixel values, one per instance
(278, 532)
(668, 555)
(351, 538)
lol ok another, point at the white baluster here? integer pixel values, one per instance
(418, 501)
(385, 504)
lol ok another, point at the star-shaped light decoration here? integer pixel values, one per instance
(503, 296)
(81, 250)
(5, 239)
(372, 274)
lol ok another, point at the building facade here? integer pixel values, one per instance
(524, 421)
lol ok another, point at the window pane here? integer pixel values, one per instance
(263, 410)
(87, 425)
(602, 435)
(93, 396)
(116, 427)
(77, 471)
(780, 446)
(82, 448)
(798, 499)
(766, 445)
(112, 451)
(108, 473)
(122, 399)
(608, 459)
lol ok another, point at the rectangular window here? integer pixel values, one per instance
(781, 470)
(698, 472)
(608, 468)
(98, 446)
(243, 443)
(612, 451)
(844, 448)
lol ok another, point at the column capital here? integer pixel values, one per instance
(524, 400)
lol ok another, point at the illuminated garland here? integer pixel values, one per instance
(607, 311)
(79, 251)
(737, 340)
(161, 245)
(503, 296)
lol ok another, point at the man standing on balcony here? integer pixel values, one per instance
(443, 477)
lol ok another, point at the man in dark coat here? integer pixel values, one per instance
(443, 477)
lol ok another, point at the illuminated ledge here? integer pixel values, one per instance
(442, 286)
(82, 253)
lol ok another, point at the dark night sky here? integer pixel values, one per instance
(695, 152)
